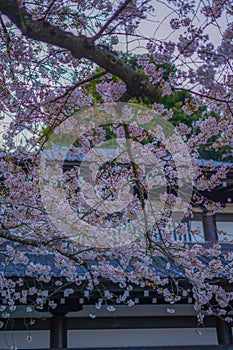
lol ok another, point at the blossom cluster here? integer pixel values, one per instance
(43, 84)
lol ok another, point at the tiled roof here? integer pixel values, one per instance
(78, 156)
(19, 270)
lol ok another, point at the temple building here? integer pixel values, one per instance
(149, 324)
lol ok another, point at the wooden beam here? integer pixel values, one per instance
(18, 324)
(194, 347)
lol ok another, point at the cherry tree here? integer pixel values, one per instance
(51, 53)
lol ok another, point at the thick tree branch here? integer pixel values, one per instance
(80, 47)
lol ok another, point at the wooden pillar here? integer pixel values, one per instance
(58, 331)
(224, 332)
(209, 227)
(58, 325)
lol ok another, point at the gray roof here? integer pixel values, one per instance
(78, 156)
(19, 270)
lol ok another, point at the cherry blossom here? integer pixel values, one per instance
(59, 60)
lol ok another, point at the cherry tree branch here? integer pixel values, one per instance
(80, 47)
(49, 8)
(191, 91)
(7, 36)
(79, 83)
(111, 19)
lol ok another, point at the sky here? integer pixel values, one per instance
(153, 27)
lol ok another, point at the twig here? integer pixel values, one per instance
(111, 19)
